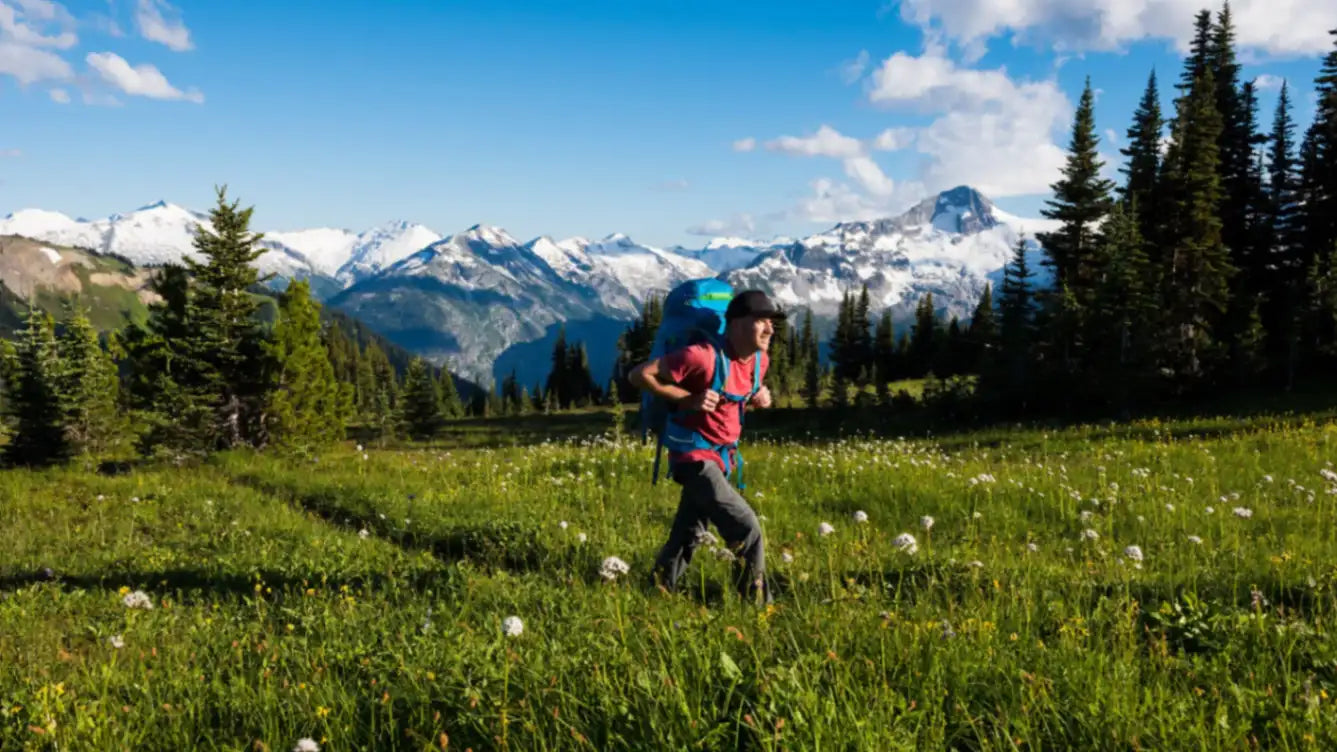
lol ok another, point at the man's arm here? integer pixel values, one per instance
(653, 376)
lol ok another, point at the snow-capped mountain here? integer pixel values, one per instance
(487, 302)
(950, 245)
(162, 233)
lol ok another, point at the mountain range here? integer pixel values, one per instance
(488, 304)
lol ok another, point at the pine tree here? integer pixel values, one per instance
(842, 345)
(884, 350)
(982, 334)
(558, 377)
(1081, 200)
(1144, 157)
(421, 404)
(383, 404)
(451, 407)
(1196, 280)
(812, 374)
(1282, 314)
(1016, 332)
(863, 334)
(226, 337)
(35, 402)
(90, 387)
(1122, 324)
(924, 338)
(307, 408)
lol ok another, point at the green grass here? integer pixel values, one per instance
(277, 618)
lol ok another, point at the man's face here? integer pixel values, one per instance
(752, 333)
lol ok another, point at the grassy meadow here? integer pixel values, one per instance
(1139, 586)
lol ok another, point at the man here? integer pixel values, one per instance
(683, 378)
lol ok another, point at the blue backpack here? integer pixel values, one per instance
(693, 313)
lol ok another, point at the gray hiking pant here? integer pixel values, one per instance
(708, 497)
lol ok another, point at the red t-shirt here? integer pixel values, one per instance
(693, 369)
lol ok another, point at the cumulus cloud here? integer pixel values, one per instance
(1267, 81)
(826, 142)
(60, 96)
(24, 24)
(141, 80)
(738, 224)
(990, 131)
(160, 22)
(1297, 27)
(745, 144)
(852, 70)
(32, 64)
(983, 129)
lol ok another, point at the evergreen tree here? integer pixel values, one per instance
(884, 350)
(812, 373)
(1282, 314)
(558, 377)
(1199, 268)
(863, 334)
(1143, 166)
(421, 404)
(1016, 333)
(383, 403)
(982, 334)
(365, 388)
(226, 338)
(1123, 313)
(924, 338)
(308, 407)
(35, 402)
(451, 407)
(843, 346)
(1081, 200)
(90, 387)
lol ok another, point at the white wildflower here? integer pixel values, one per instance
(706, 538)
(138, 599)
(976, 564)
(786, 557)
(825, 529)
(1243, 512)
(1033, 548)
(511, 626)
(1133, 553)
(612, 567)
(1195, 540)
(1089, 534)
(1210, 510)
(364, 533)
(306, 745)
(1085, 516)
(359, 447)
(860, 516)
(1169, 507)
(562, 524)
(581, 537)
(116, 641)
(926, 522)
(724, 554)
(906, 542)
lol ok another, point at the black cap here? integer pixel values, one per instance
(752, 303)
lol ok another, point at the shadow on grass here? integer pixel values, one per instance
(204, 581)
(511, 545)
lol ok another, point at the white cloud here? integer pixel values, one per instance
(1112, 137)
(30, 64)
(60, 96)
(738, 224)
(1267, 81)
(852, 70)
(164, 29)
(23, 24)
(991, 132)
(826, 142)
(1296, 27)
(745, 144)
(867, 174)
(141, 80)
(892, 139)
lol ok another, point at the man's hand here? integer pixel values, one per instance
(762, 398)
(703, 401)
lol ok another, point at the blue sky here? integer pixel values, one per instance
(669, 121)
